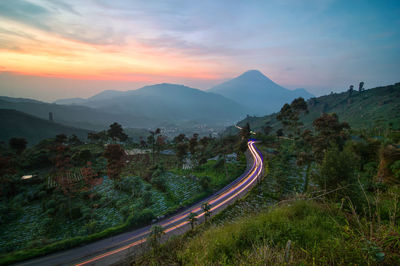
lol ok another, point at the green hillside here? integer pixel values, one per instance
(374, 108)
(33, 129)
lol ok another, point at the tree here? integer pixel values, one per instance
(304, 154)
(74, 140)
(245, 132)
(151, 140)
(160, 142)
(285, 115)
(289, 115)
(180, 138)
(193, 143)
(63, 173)
(299, 105)
(61, 138)
(267, 129)
(88, 176)
(192, 218)
(82, 157)
(361, 86)
(330, 132)
(103, 136)
(351, 89)
(6, 167)
(337, 169)
(116, 132)
(18, 145)
(156, 232)
(93, 137)
(206, 207)
(279, 132)
(7, 185)
(389, 156)
(62, 160)
(181, 151)
(114, 154)
(205, 182)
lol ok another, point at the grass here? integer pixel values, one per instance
(318, 234)
(306, 224)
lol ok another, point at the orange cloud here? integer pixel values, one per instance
(46, 54)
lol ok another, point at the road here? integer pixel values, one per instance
(120, 248)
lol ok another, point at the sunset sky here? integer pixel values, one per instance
(52, 49)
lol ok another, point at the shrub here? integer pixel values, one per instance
(147, 198)
(51, 204)
(160, 183)
(76, 212)
(205, 182)
(42, 194)
(337, 169)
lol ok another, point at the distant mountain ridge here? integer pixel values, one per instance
(258, 93)
(33, 129)
(167, 102)
(74, 115)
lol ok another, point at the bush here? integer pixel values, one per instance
(76, 212)
(160, 183)
(51, 211)
(205, 182)
(337, 169)
(147, 198)
(51, 204)
(141, 218)
(42, 194)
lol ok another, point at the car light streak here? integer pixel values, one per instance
(252, 176)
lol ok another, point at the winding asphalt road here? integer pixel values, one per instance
(119, 249)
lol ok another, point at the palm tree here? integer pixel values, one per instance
(156, 232)
(192, 218)
(207, 210)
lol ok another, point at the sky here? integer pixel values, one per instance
(51, 49)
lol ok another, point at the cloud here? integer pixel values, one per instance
(25, 12)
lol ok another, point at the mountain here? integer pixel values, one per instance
(170, 103)
(258, 93)
(31, 128)
(75, 115)
(18, 100)
(104, 95)
(69, 101)
(374, 108)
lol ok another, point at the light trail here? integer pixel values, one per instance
(222, 199)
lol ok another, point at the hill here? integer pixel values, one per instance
(377, 107)
(74, 115)
(258, 93)
(33, 129)
(170, 103)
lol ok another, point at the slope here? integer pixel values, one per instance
(74, 115)
(374, 108)
(33, 129)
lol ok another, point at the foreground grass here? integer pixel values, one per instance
(297, 233)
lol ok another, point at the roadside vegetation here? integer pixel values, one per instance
(331, 196)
